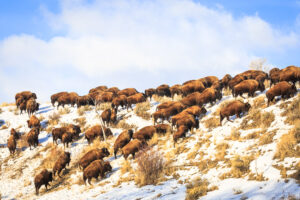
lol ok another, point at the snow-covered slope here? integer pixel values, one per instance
(208, 153)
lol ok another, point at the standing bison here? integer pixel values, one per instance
(61, 163)
(283, 89)
(43, 178)
(123, 139)
(90, 156)
(248, 86)
(234, 108)
(95, 169)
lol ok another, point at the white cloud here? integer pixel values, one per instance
(104, 37)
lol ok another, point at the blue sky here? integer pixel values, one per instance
(54, 45)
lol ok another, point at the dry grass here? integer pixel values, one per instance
(141, 110)
(63, 111)
(239, 167)
(212, 123)
(288, 144)
(292, 111)
(124, 125)
(266, 138)
(22, 142)
(54, 119)
(5, 104)
(104, 106)
(256, 177)
(235, 134)
(258, 119)
(161, 99)
(154, 140)
(196, 189)
(259, 102)
(221, 151)
(150, 165)
(83, 109)
(126, 167)
(51, 157)
(80, 121)
(253, 135)
(227, 91)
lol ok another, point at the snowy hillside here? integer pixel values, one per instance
(253, 157)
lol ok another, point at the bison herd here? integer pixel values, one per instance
(182, 116)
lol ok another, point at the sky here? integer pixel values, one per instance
(47, 46)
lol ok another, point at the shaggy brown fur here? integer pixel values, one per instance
(149, 92)
(196, 111)
(90, 156)
(127, 92)
(134, 99)
(32, 106)
(12, 144)
(43, 178)
(189, 121)
(180, 133)
(193, 86)
(191, 99)
(119, 101)
(105, 97)
(66, 138)
(210, 80)
(84, 100)
(209, 95)
(33, 122)
(162, 128)
(235, 80)
(290, 74)
(234, 108)
(61, 163)
(274, 75)
(144, 133)
(132, 147)
(26, 95)
(96, 168)
(32, 137)
(175, 89)
(283, 89)
(96, 131)
(248, 86)
(14, 133)
(114, 90)
(225, 80)
(123, 139)
(105, 115)
(54, 97)
(163, 90)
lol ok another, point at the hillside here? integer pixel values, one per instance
(254, 157)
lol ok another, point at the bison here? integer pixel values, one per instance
(96, 131)
(191, 87)
(290, 74)
(127, 92)
(11, 144)
(32, 106)
(123, 139)
(134, 99)
(105, 115)
(32, 137)
(90, 156)
(163, 90)
(225, 80)
(33, 122)
(66, 138)
(96, 168)
(150, 92)
(234, 108)
(162, 128)
(61, 163)
(175, 89)
(283, 89)
(119, 101)
(144, 133)
(248, 86)
(54, 97)
(132, 147)
(43, 178)
(180, 133)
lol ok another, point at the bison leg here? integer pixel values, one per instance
(89, 181)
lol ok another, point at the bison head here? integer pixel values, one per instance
(105, 151)
(107, 166)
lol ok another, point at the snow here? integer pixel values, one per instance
(17, 173)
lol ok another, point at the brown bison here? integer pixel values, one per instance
(123, 139)
(191, 99)
(163, 90)
(132, 147)
(166, 104)
(283, 89)
(61, 163)
(96, 168)
(105, 97)
(90, 156)
(248, 86)
(234, 108)
(235, 80)
(225, 80)
(134, 99)
(191, 87)
(66, 138)
(96, 131)
(43, 178)
(54, 97)
(274, 75)
(162, 128)
(175, 89)
(210, 80)
(99, 88)
(71, 129)
(32, 137)
(144, 133)
(67, 99)
(33, 122)
(32, 106)
(209, 95)
(12, 144)
(189, 121)
(19, 101)
(114, 90)
(127, 92)
(14, 133)
(23, 107)
(84, 100)
(290, 74)
(196, 111)
(149, 92)
(180, 133)
(119, 101)
(166, 113)
(105, 115)
(26, 95)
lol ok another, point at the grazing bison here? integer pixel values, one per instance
(32, 137)
(290, 74)
(54, 97)
(114, 90)
(96, 168)
(105, 97)
(119, 101)
(234, 108)
(209, 80)
(225, 80)
(96, 131)
(132, 147)
(191, 99)
(163, 90)
(175, 89)
(12, 144)
(189, 121)
(84, 100)
(32, 106)
(166, 104)
(73, 130)
(192, 86)
(66, 138)
(127, 92)
(105, 115)
(274, 75)
(23, 107)
(90, 156)
(283, 89)
(162, 128)
(180, 133)
(134, 99)
(26, 95)
(248, 86)
(43, 178)
(14, 133)
(235, 80)
(196, 111)
(100, 88)
(123, 139)
(19, 101)
(166, 113)
(113, 116)
(144, 133)
(61, 163)
(149, 92)
(209, 95)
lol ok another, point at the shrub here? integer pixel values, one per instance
(266, 138)
(196, 189)
(211, 123)
(81, 121)
(104, 106)
(259, 102)
(288, 144)
(51, 157)
(292, 112)
(221, 151)
(257, 119)
(124, 125)
(150, 165)
(64, 111)
(235, 134)
(126, 167)
(54, 118)
(240, 166)
(141, 110)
